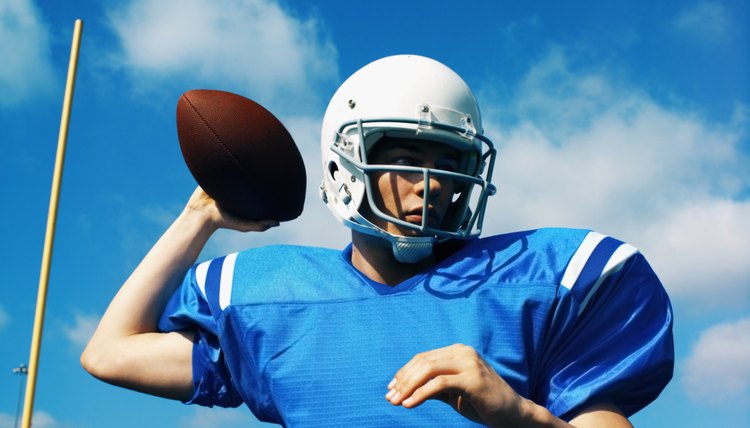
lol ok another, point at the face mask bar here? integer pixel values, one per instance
(469, 186)
(464, 228)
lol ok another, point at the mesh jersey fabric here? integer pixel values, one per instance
(567, 317)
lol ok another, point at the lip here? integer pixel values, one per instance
(415, 217)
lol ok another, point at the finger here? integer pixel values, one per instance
(420, 359)
(436, 388)
(424, 366)
(455, 351)
(230, 220)
(419, 374)
(253, 225)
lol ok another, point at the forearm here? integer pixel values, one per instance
(600, 415)
(534, 415)
(126, 349)
(139, 302)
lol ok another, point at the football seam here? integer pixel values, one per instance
(215, 135)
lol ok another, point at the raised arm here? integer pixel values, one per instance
(126, 349)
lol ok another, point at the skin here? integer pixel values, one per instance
(127, 350)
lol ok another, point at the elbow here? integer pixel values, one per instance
(99, 361)
(91, 360)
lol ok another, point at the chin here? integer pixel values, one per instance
(411, 233)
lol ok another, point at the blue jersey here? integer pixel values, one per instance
(568, 318)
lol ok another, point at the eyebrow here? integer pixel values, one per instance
(404, 146)
(453, 154)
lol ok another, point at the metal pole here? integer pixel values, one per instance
(50, 235)
(23, 371)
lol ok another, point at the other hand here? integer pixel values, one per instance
(459, 376)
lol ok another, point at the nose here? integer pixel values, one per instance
(433, 184)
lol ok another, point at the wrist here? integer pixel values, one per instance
(196, 222)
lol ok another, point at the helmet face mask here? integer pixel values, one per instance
(467, 179)
(397, 98)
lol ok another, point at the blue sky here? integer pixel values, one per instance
(628, 117)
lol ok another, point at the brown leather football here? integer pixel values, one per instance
(241, 155)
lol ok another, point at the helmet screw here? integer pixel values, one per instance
(351, 104)
(425, 108)
(353, 179)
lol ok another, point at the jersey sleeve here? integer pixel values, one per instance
(611, 336)
(188, 308)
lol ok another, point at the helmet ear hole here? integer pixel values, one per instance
(333, 169)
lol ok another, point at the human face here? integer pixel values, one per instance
(401, 194)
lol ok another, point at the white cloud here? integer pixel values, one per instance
(221, 418)
(81, 330)
(44, 420)
(582, 150)
(708, 21)
(254, 47)
(39, 420)
(717, 370)
(701, 251)
(158, 214)
(26, 70)
(7, 421)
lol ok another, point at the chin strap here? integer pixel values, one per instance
(406, 249)
(411, 251)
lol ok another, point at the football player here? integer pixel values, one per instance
(418, 322)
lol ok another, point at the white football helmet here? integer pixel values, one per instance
(408, 97)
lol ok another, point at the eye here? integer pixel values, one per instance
(403, 161)
(450, 165)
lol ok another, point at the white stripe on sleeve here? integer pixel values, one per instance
(201, 272)
(614, 264)
(227, 275)
(579, 259)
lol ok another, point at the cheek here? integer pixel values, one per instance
(389, 187)
(447, 189)
(381, 189)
